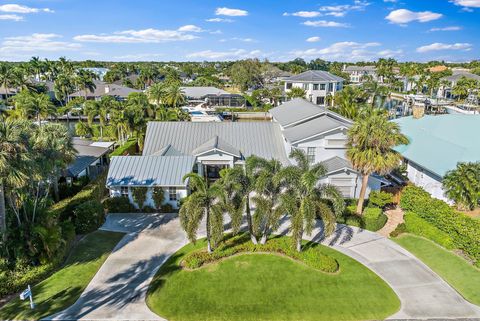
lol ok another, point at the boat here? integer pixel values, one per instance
(463, 109)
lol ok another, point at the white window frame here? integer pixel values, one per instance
(172, 194)
(311, 151)
(124, 191)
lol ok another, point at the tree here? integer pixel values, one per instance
(202, 203)
(85, 81)
(296, 92)
(246, 74)
(63, 86)
(370, 148)
(34, 105)
(174, 96)
(303, 198)
(156, 92)
(375, 90)
(349, 102)
(462, 185)
(464, 87)
(6, 77)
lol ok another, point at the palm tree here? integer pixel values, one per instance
(63, 87)
(296, 92)
(155, 93)
(303, 197)
(375, 90)
(202, 203)
(349, 102)
(35, 105)
(6, 77)
(370, 143)
(174, 96)
(36, 66)
(84, 81)
(462, 185)
(13, 157)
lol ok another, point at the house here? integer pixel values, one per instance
(212, 96)
(103, 89)
(317, 84)
(437, 144)
(358, 74)
(90, 160)
(173, 149)
(98, 71)
(445, 91)
(322, 134)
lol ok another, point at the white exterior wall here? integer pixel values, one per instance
(181, 193)
(323, 150)
(312, 94)
(427, 180)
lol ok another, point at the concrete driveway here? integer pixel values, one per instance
(118, 290)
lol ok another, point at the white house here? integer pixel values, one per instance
(317, 84)
(437, 144)
(358, 74)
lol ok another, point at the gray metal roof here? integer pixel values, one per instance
(104, 89)
(200, 92)
(263, 139)
(313, 127)
(336, 163)
(86, 155)
(315, 75)
(460, 75)
(214, 144)
(360, 68)
(149, 170)
(294, 111)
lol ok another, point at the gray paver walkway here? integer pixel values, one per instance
(118, 290)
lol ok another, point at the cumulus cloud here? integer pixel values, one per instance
(404, 16)
(230, 12)
(140, 36)
(324, 23)
(341, 10)
(225, 55)
(304, 14)
(348, 51)
(467, 3)
(438, 46)
(139, 57)
(16, 8)
(34, 43)
(190, 28)
(219, 20)
(14, 17)
(313, 39)
(451, 28)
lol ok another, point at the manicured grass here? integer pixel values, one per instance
(64, 287)
(459, 273)
(269, 287)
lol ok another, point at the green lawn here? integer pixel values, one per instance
(64, 287)
(460, 274)
(269, 287)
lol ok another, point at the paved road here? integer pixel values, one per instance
(117, 292)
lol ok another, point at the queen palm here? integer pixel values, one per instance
(370, 148)
(155, 93)
(63, 87)
(84, 81)
(34, 105)
(202, 203)
(462, 185)
(349, 102)
(304, 194)
(174, 96)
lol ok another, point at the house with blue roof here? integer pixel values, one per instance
(437, 144)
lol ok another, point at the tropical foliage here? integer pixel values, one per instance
(462, 185)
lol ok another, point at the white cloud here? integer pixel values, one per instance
(342, 10)
(219, 20)
(16, 8)
(451, 28)
(313, 39)
(390, 1)
(230, 12)
(37, 42)
(437, 46)
(190, 28)
(324, 23)
(304, 14)
(337, 14)
(467, 3)
(138, 36)
(348, 51)
(14, 17)
(232, 54)
(139, 57)
(404, 16)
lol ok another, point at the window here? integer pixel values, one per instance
(289, 85)
(311, 154)
(305, 86)
(330, 87)
(336, 142)
(320, 100)
(322, 86)
(124, 191)
(315, 86)
(172, 193)
(344, 185)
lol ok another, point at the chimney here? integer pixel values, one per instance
(418, 111)
(107, 89)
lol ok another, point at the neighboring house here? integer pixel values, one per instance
(437, 144)
(91, 158)
(103, 89)
(322, 134)
(317, 85)
(7, 92)
(358, 74)
(445, 91)
(173, 149)
(98, 71)
(212, 96)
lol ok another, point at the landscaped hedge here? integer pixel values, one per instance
(88, 216)
(417, 225)
(310, 255)
(118, 205)
(372, 219)
(129, 148)
(463, 230)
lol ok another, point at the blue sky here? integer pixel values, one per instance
(197, 30)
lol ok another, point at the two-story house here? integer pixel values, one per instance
(359, 74)
(318, 85)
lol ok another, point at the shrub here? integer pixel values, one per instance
(401, 228)
(380, 199)
(374, 218)
(88, 216)
(129, 148)
(416, 225)
(139, 195)
(166, 208)
(118, 205)
(158, 196)
(148, 209)
(463, 230)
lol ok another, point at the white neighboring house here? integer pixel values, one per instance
(437, 144)
(317, 84)
(104, 89)
(445, 91)
(358, 74)
(322, 134)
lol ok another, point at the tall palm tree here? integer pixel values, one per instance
(31, 104)
(370, 143)
(14, 155)
(303, 197)
(202, 203)
(296, 92)
(462, 185)
(85, 81)
(174, 96)
(63, 86)
(349, 102)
